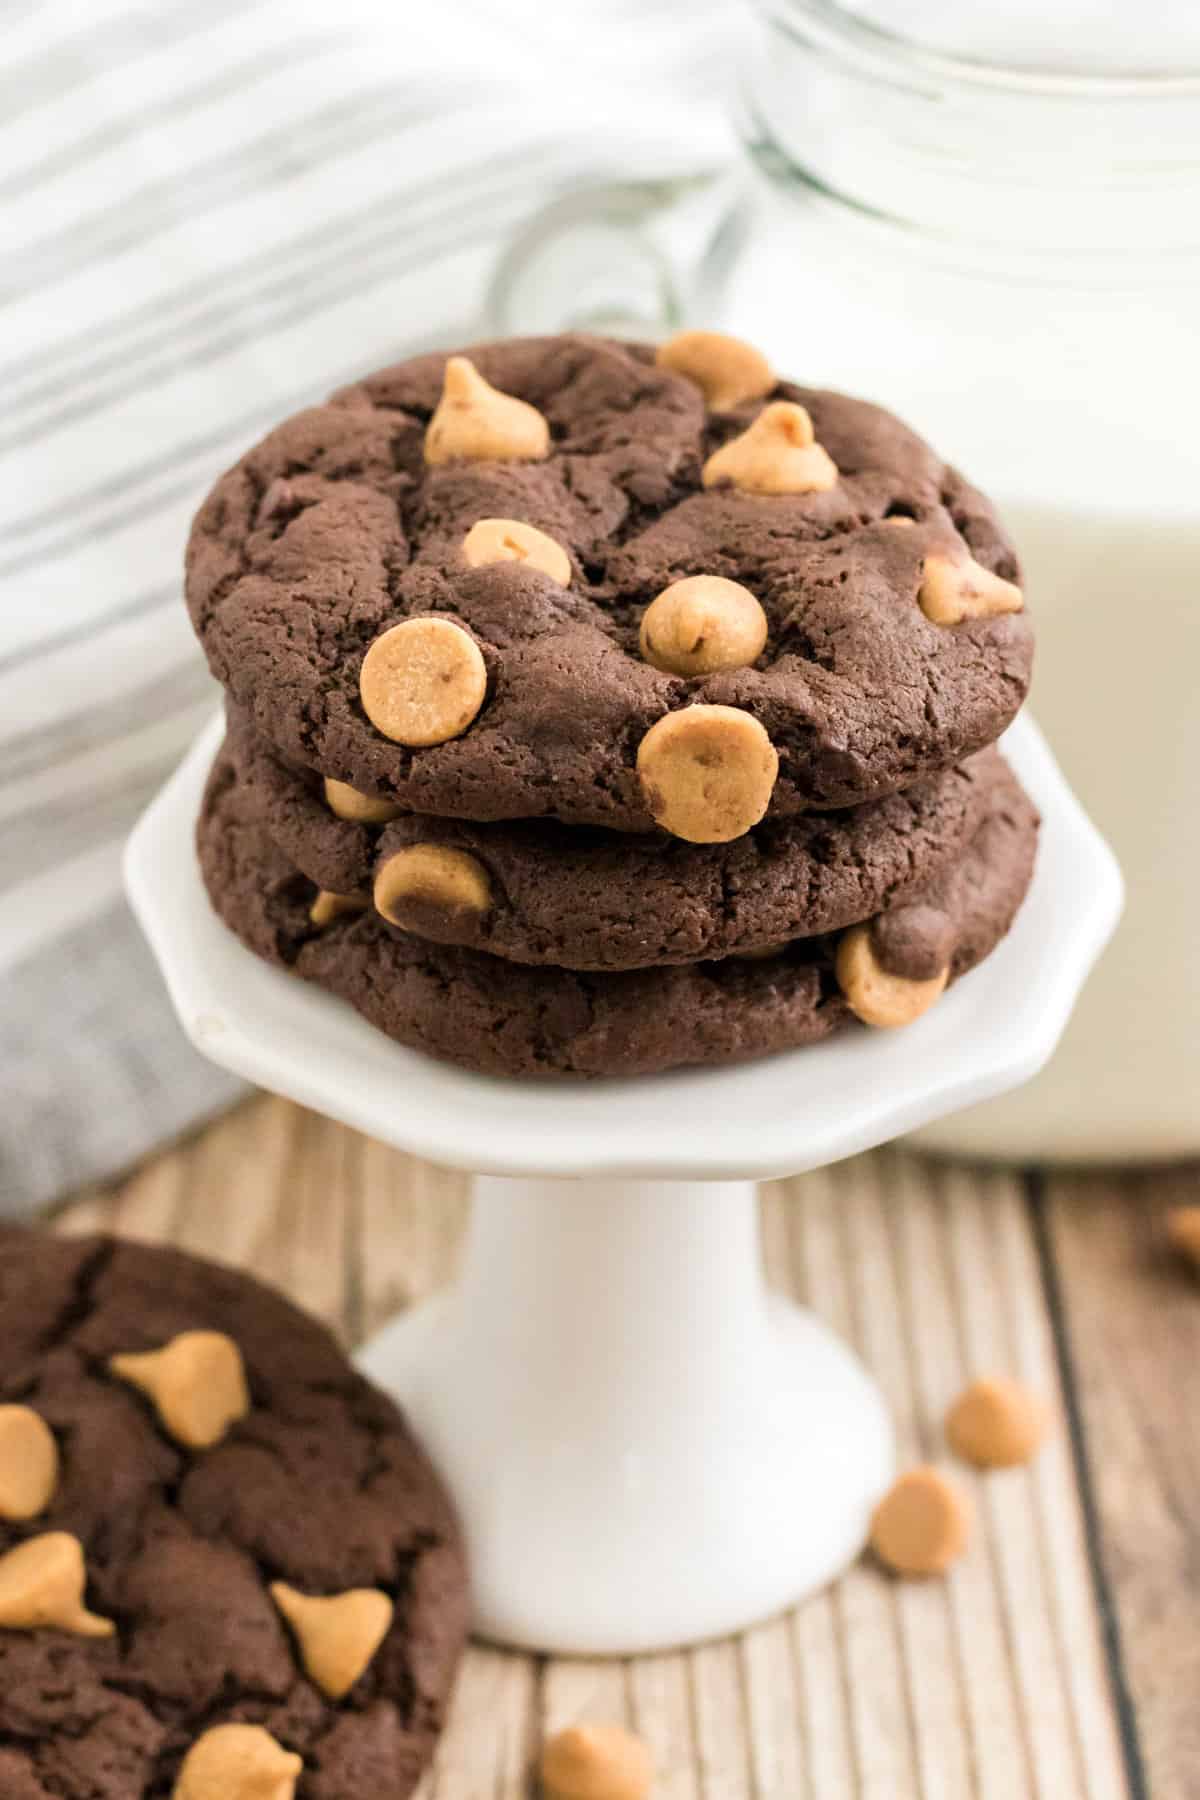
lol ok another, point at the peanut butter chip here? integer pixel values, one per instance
(431, 876)
(28, 1463)
(197, 1383)
(510, 540)
(42, 1584)
(957, 588)
(996, 1423)
(701, 624)
(875, 996)
(337, 1635)
(775, 455)
(238, 1762)
(347, 802)
(725, 369)
(476, 422)
(921, 1525)
(1183, 1231)
(596, 1762)
(327, 907)
(707, 772)
(423, 682)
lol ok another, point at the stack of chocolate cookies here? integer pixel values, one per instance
(595, 709)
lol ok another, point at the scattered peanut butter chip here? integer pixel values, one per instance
(476, 422)
(596, 1762)
(28, 1463)
(197, 1383)
(957, 588)
(423, 682)
(337, 1635)
(899, 522)
(238, 1762)
(997, 1423)
(329, 906)
(727, 370)
(921, 1525)
(701, 624)
(775, 455)
(707, 772)
(511, 540)
(1183, 1231)
(434, 877)
(872, 994)
(347, 802)
(42, 1584)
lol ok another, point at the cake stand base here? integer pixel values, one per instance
(648, 1448)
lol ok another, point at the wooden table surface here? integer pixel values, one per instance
(1059, 1660)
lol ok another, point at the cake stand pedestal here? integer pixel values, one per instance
(646, 1446)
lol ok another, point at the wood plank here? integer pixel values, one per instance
(989, 1684)
(1131, 1317)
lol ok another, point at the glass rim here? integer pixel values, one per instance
(888, 54)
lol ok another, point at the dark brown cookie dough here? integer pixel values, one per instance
(320, 1485)
(334, 529)
(503, 1018)
(589, 899)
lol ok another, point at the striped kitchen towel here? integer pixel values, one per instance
(214, 211)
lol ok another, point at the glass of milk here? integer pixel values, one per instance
(989, 220)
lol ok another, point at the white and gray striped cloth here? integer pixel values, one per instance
(213, 211)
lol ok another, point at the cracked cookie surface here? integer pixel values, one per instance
(319, 1485)
(503, 1018)
(334, 529)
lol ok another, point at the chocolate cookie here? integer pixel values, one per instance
(588, 899)
(548, 580)
(223, 1558)
(506, 1019)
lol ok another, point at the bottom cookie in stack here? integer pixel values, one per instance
(935, 893)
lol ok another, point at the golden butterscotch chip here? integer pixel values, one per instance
(511, 540)
(350, 803)
(337, 1634)
(329, 906)
(775, 455)
(707, 773)
(957, 588)
(596, 1762)
(431, 876)
(727, 370)
(423, 682)
(197, 1383)
(476, 422)
(701, 624)
(922, 1523)
(42, 1584)
(997, 1423)
(1183, 1231)
(238, 1762)
(872, 993)
(28, 1463)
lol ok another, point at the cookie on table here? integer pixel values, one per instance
(233, 1559)
(550, 579)
(543, 892)
(503, 1018)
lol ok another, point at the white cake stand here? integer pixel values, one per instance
(647, 1448)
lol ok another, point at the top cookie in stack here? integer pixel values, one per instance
(616, 591)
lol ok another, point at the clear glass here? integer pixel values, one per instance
(1011, 258)
(636, 259)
